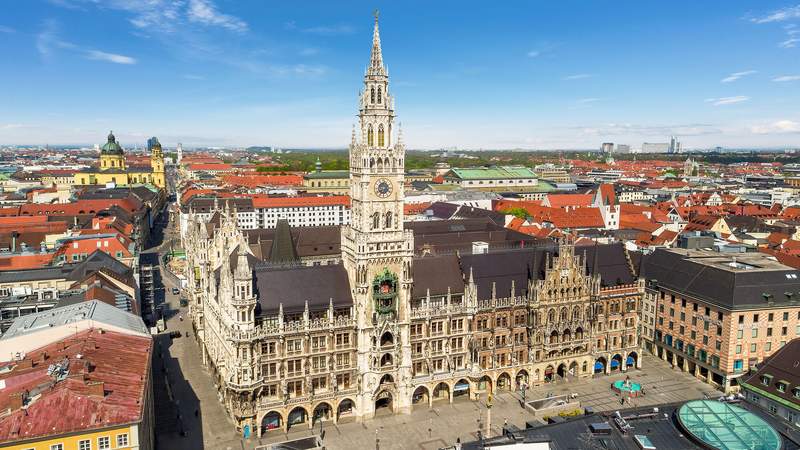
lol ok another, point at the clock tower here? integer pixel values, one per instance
(376, 251)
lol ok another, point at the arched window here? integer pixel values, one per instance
(369, 136)
(380, 134)
(372, 95)
(380, 97)
(389, 219)
(376, 221)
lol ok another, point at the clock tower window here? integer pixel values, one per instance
(376, 221)
(380, 127)
(379, 95)
(372, 95)
(389, 219)
(369, 136)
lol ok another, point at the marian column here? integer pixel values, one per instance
(377, 252)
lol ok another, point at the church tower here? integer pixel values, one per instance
(112, 157)
(376, 251)
(156, 162)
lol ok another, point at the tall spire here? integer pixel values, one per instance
(376, 58)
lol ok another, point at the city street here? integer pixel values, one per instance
(189, 414)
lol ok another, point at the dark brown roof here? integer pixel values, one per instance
(783, 365)
(294, 286)
(308, 241)
(437, 273)
(711, 277)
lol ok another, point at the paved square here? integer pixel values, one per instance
(441, 425)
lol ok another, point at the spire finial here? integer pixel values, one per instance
(376, 58)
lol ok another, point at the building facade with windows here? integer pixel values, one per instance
(775, 386)
(720, 315)
(401, 317)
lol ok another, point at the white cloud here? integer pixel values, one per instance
(779, 127)
(109, 57)
(789, 43)
(579, 76)
(587, 101)
(737, 75)
(164, 15)
(727, 100)
(780, 15)
(48, 41)
(329, 30)
(534, 54)
(784, 78)
(205, 12)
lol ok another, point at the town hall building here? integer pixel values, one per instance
(392, 314)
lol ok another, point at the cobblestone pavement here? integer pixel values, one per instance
(441, 425)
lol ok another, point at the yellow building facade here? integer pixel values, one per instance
(113, 167)
(116, 438)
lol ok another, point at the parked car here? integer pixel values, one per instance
(184, 301)
(174, 334)
(175, 291)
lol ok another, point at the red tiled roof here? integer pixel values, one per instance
(210, 167)
(189, 193)
(79, 207)
(264, 180)
(607, 194)
(411, 209)
(25, 261)
(701, 223)
(106, 386)
(777, 238)
(263, 201)
(562, 200)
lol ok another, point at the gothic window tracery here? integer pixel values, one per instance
(380, 134)
(369, 136)
(380, 97)
(376, 219)
(372, 95)
(389, 219)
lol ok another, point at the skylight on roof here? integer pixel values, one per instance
(740, 265)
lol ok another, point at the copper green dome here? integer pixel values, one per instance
(111, 147)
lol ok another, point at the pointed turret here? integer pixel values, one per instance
(376, 66)
(242, 264)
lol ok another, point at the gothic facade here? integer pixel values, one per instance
(386, 328)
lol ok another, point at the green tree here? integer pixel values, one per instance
(516, 211)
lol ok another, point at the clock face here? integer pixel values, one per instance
(383, 188)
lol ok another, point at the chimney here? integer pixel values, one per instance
(14, 236)
(16, 400)
(26, 363)
(96, 388)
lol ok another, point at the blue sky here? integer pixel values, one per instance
(464, 73)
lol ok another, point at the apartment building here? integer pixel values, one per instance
(718, 315)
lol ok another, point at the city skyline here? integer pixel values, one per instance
(226, 74)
